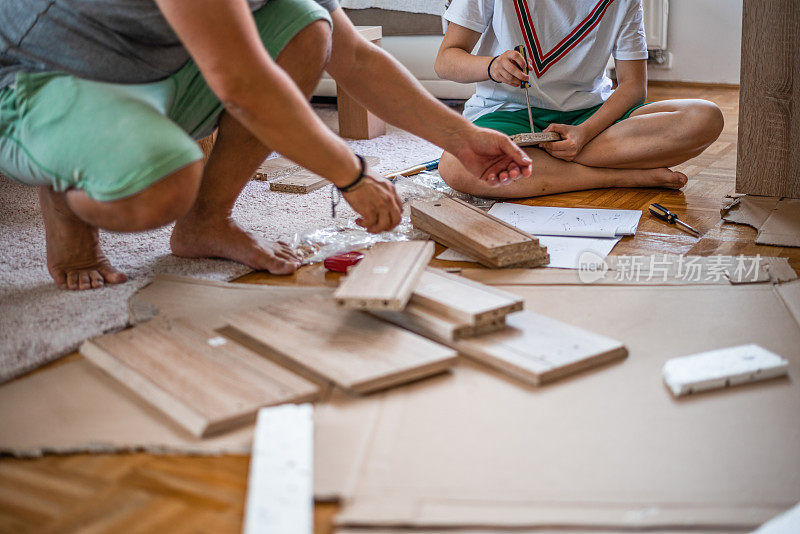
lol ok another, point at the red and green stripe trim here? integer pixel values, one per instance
(543, 61)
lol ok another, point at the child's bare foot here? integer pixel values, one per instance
(651, 178)
(74, 257)
(197, 236)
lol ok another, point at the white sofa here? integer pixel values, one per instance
(417, 53)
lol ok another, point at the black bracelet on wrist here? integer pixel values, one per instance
(361, 175)
(489, 69)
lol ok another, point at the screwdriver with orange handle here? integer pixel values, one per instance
(664, 214)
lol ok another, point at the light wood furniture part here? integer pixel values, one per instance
(769, 117)
(355, 121)
(303, 181)
(385, 278)
(472, 231)
(325, 343)
(202, 381)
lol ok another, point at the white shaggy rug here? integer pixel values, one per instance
(40, 323)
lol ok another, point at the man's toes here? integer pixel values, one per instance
(72, 280)
(112, 276)
(84, 282)
(96, 279)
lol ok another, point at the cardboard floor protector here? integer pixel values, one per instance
(606, 450)
(656, 270)
(776, 219)
(73, 407)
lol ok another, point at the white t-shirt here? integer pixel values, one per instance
(568, 42)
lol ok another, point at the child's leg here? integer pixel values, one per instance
(657, 135)
(552, 175)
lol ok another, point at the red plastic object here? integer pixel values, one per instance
(341, 262)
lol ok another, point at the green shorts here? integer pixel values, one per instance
(515, 122)
(115, 140)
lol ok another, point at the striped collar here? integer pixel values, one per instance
(543, 61)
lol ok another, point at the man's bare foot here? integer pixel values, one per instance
(651, 178)
(74, 257)
(219, 237)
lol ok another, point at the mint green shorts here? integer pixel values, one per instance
(516, 122)
(115, 140)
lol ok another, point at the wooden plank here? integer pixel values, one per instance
(287, 177)
(530, 139)
(463, 300)
(273, 168)
(470, 230)
(303, 181)
(537, 349)
(385, 278)
(318, 339)
(204, 382)
(769, 118)
(437, 326)
(280, 493)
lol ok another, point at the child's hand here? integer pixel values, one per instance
(573, 138)
(508, 68)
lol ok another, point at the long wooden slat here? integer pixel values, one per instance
(203, 382)
(318, 339)
(494, 243)
(462, 299)
(385, 278)
(537, 349)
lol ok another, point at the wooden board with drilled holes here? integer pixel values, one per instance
(472, 231)
(534, 138)
(203, 382)
(463, 300)
(386, 277)
(325, 343)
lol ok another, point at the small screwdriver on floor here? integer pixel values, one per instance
(664, 214)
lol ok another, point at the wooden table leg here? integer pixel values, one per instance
(355, 121)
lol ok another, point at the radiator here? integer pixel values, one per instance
(655, 23)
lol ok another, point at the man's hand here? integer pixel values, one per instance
(573, 139)
(377, 202)
(508, 68)
(491, 156)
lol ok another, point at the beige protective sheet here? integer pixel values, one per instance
(73, 407)
(776, 219)
(609, 448)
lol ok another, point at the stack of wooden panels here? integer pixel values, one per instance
(202, 381)
(385, 278)
(471, 231)
(319, 340)
(445, 307)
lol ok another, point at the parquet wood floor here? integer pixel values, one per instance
(176, 494)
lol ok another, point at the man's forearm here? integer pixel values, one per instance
(382, 85)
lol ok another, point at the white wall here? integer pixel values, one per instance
(705, 39)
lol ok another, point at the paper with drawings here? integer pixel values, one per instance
(564, 251)
(576, 222)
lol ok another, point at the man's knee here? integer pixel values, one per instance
(702, 122)
(310, 49)
(165, 201)
(454, 174)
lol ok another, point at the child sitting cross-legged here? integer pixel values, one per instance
(610, 138)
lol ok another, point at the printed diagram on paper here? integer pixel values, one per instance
(572, 222)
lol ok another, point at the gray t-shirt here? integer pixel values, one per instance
(120, 41)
